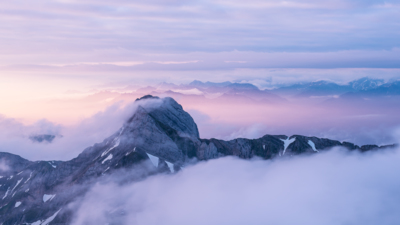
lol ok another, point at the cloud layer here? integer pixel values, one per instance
(334, 187)
(198, 34)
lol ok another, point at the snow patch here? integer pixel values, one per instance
(153, 159)
(310, 143)
(18, 173)
(106, 169)
(52, 165)
(264, 147)
(17, 184)
(5, 195)
(171, 166)
(108, 158)
(48, 197)
(46, 221)
(122, 130)
(17, 204)
(108, 150)
(286, 143)
(10, 177)
(51, 218)
(134, 149)
(27, 190)
(30, 175)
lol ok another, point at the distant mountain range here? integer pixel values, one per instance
(244, 91)
(361, 88)
(364, 87)
(160, 137)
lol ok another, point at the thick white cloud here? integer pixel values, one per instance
(335, 187)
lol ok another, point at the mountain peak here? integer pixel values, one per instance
(168, 112)
(366, 83)
(147, 97)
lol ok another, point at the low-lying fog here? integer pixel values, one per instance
(334, 187)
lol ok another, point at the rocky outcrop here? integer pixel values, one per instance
(42, 138)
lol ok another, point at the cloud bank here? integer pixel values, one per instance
(335, 187)
(69, 141)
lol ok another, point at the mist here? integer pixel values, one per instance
(333, 187)
(69, 141)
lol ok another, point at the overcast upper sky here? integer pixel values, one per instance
(205, 34)
(50, 47)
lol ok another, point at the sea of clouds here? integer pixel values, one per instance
(333, 187)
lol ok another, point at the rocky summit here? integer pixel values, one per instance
(160, 137)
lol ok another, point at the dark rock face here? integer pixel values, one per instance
(350, 146)
(266, 147)
(159, 138)
(42, 138)
(147, 97)
(365, 148)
